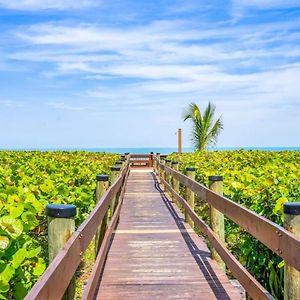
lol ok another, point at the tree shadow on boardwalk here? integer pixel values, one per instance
(201, 257)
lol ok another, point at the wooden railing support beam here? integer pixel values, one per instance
(190, 196)
(217, 218)
(115, 173)
(101, 187)
(61, 226)
(291, 275)
(175, 183)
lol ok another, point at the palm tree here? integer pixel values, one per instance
(205, 130)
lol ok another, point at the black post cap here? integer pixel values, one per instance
(115, 168)
(291, 208)
(191, 169)
(151, 152)
(174, 162)
(122, 156)
(127, 153)
(168, 160)
(60, 210)
(119, 162)
(215, 178)
(157, 153)
(102, 177)
(123, 159)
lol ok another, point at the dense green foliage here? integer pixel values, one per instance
(28, 181)
(204, 130)
(261, 181)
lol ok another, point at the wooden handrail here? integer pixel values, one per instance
(251, 285)
(275, 237)
(138, 159)
(53, 283)
(91, 285)
(140, 155)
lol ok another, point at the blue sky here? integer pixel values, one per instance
(119, 73)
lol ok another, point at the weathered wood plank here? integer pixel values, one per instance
(155, 255)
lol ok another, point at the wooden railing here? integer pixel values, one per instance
(276, 238)
(141, 160)
(57, 277)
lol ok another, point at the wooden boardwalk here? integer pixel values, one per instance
(155, 255)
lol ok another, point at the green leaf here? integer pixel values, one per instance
(20, 291)
(4, 287)
(7, 274)
(279, 205)
(18, 258)
(13, 226)
(17, 211)
(281, 264)
(261, 259)
(39, 267)
(4, 242)
(34, 252)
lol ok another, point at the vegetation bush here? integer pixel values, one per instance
(261, 181)
(28, 181)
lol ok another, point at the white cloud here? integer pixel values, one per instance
(10, 103)
(267, 4)
(249, 71)
(65, 106)
(241, 8)
(46, 4)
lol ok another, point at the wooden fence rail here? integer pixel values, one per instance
(141, 160)
(55, 280)
(275, 237)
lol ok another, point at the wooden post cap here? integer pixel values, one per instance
(115, 168)
(215, 178)
(102, 177)
(174, 162)
(191, 169)
(60, 210)
(119, 162)
(291, 208)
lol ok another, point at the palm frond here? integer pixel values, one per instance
(191, 112)
(204, 131)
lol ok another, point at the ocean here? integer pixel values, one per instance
(155, 150)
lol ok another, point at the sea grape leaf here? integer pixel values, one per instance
(16, 211)
(4, 242)
(13, 226)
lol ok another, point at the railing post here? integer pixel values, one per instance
(190, 196)
(175, 183)
(156, 169)
(163, 174)
(291, 275)
(101, 187)
(151, 159)
(61, 226)
(123, 160)
(120, 164)
(217, 218)
(167, 176)
(127, 155)
(115, 173)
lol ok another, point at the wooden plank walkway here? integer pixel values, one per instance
(155, 255)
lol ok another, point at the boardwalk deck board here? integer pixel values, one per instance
(155, 255)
